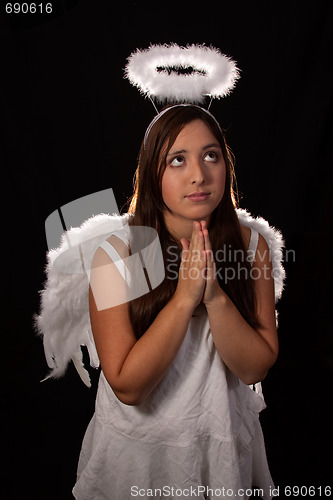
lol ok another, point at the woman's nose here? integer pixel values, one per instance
(197, 175)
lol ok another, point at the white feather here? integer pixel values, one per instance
(214, 74)
(64, 321)
(274, 240)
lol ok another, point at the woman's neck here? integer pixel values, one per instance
(180, 227)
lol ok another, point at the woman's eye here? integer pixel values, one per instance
(177, 161)
(211, 156)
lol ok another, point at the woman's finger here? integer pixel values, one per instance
(209, 252)
(197, 246)
(208, 246)
(194, 236)
(185, 250)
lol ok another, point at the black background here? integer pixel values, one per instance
(71, 125)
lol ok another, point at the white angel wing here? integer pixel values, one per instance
(63, 321)
(275, 243)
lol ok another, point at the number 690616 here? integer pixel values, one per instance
(25, 8)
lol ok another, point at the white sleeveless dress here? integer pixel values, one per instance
(197, 435)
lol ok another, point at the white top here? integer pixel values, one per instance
(197, 433)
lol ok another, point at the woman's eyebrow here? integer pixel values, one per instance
(171, 153)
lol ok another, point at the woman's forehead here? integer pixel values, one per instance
(194, 134)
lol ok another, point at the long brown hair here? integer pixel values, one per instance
(147, 209)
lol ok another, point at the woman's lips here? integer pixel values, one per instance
(199, 196)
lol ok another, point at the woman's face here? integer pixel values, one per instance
(193, 182)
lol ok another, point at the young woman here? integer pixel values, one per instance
(175, 416)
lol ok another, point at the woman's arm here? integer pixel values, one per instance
(133, 367)
(247, 352)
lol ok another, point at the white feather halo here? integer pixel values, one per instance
(154, 72)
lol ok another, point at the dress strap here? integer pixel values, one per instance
(115, 257)
(253, 245)
(251, 254)
(121, 235)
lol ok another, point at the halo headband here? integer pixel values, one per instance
(181, 74)
(158, 116)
